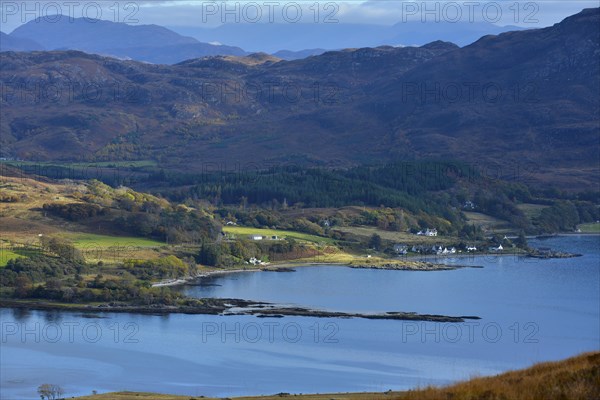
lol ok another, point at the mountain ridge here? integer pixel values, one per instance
(340, 108)
(162, 45)
(148, 43)
(9, 43)
(275, 37)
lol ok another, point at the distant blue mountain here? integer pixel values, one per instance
(159, 45)
(9, 43)
(149, 43)
(272, 38)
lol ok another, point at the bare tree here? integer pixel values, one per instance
(49, 391)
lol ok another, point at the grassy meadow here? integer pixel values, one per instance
(487, 223)
(23, 222)
(99, 164)
(365, 232)
(244, 231)
(84, 240)
(531, 210)
(112, 249)
(593, 227)
(6, 254)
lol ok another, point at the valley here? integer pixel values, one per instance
(263, 210)
(127, 246)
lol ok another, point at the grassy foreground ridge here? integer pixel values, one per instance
(576, 378)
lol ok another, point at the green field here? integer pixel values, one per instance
(487, 222)
(101, 164)
(106, 248)
(531, 210)
(593, 227)
(11, 253)
(114, 249)
(121, 164)
(246, 231)
(83, 240)
(6, 255)
(366, 232)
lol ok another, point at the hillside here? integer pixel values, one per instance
(340, 108)
(542, 100)
(103, 223)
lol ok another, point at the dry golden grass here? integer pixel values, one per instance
(22, 221)
(37, 193)
(576, 378)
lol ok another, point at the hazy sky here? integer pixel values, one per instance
(174, 13)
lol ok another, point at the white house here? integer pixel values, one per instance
(446, 250)
(499, 248)
(256, 261)
(256, 237)
(431, 232)
(469, 205)
(471, 248)
(428, 232)
(400, 248)
(437, 250)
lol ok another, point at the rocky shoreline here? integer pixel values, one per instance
(226, 307)
(421, 266)
(280, 312)
(404, 265)
(278, 269)
(551, 254)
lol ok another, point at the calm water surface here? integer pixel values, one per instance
(531, 310)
